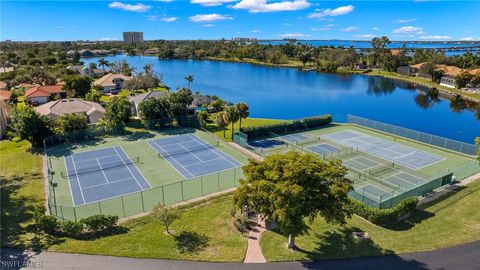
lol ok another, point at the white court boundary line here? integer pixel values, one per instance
(210, 149)
(103, 172)
(172, 158)
(134, 177)
(78, 181)
(143, 176)
(68, 179)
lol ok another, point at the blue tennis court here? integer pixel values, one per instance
(294, 137)
(102, 174)
(323, 148)
(191, 156)
(391, 151)
(266, 143)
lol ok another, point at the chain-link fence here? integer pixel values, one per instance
(438, 141)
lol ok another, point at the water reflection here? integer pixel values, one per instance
(380, 86)
(426, 100)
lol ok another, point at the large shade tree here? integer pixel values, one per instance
(117, 114)
(294, 188)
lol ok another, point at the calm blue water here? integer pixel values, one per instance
(366, 44)
(286, 93)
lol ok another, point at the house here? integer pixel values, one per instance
(5, 95)
(112, 82)
(407, 70)
(101, 52)
(71, 53)
(136, 100)
(199, 100)
(76, 69)
(61, 107)
(360, 66)
(449, 75)
(86, 53)
(40, 94)
(151, 51)
(96, 73)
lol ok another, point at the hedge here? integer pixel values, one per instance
(384, 216)
(287, 126)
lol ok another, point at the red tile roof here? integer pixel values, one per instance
(5, 95)
(44, 91)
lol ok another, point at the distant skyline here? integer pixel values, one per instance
(419, 20)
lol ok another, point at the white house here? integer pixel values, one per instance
(61, 107)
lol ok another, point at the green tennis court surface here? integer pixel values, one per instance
(94, 184)
(384, 169)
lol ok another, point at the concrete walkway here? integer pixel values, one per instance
(254, 251)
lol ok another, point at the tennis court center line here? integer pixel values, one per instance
(91, 159)
(198, 163)
(103, 172)
(144, 178)
(191, 152)
(104, 184)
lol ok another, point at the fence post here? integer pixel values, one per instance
(201, 185)
(99, 208)
(143, 203)
(218, 181)
(181, 185)
(61, 211)
(75, 214)
(123, 206)
(163, 196)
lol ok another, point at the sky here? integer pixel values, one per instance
(262, 19)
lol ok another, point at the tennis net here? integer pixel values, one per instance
(182, 151)
(96, 166)
(367, 177)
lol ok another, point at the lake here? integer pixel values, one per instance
(287, 93)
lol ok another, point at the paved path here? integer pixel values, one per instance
(463, 257)
(254, 251)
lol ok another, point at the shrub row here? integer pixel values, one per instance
(90, 225)
(384, 216)
(288, 126)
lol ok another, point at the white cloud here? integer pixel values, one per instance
(326, 28)
(108, 39)
(469, 38)
(408, 30)
(434, 37)
(209, 17)
(210, 3)
(294, 35)
(288, 24)
(152, 18)
(208, 25)
(364, 36)
(375, 28)
(256, 31)
(169, 19)
(406, 20)
(349, 29)
(320, 13)
(257, 6)
(129, 7)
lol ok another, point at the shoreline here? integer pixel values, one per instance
(447, 92)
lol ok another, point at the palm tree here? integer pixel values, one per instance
(189, 79)
(243, 112)
(92, 66)
(231, 116)
(220, 121)
(102, 62)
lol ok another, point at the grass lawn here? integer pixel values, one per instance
(245, 123)
(452, 221)
(204, 232)
(21, 188)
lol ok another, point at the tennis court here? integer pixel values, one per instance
(374, 192)
(102, 174)
(294, 137)
(191, 156)
(391, 151)
(404, 180)
(323, 148)
(361, 163)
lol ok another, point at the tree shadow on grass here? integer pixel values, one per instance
(341, 243)
(191, 242)
(17, 229)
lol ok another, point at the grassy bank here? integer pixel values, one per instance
(422, 81)
(204, 232)
(212, 127)
(451, 221)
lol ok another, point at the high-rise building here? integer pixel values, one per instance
(132, 37)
